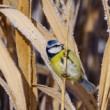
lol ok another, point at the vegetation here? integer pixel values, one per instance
(27, 81)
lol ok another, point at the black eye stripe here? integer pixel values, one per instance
(56, 46)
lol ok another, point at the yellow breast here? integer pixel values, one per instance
(57, 64)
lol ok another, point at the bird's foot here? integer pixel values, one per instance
(64, 75)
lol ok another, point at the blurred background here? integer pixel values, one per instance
(90, 35)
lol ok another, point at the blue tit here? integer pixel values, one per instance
(55, 51)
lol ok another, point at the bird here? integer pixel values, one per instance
(56, 53)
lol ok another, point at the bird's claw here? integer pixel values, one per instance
(64, 75)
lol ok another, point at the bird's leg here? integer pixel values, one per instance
(65, 55)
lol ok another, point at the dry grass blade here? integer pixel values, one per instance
(54, 94)
(9, 92)
(24, 25)
(24, 62)
(105, 78)
(9, 69)
(43, 30)
(104, 86)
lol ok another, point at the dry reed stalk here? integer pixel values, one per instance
(34, 91)
(63, 92)
(105, 71)
(104, 85)
(65, 58)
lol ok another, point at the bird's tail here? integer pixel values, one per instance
(89, 87)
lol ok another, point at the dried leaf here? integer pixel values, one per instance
(105, 78)
(104, 86)
(54, 94)
(12, 76)
(43, 30)
(24, 61)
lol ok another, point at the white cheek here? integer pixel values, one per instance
(54, 50)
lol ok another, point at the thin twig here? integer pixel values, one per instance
(63, 93)
(65, 61)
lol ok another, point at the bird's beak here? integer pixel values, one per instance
(62, 45)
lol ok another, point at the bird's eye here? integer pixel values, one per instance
(62, 45)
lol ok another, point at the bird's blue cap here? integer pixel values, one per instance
(51, 42)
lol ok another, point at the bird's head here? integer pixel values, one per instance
(53, 47)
